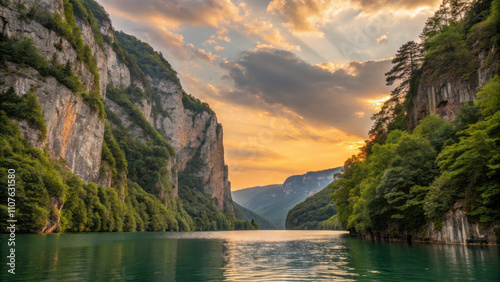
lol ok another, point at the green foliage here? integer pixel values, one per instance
(200, 206)
(37, 179)
(448, 54)
(195, 105)
(24, 108)
(385, 189)
(87, 207)
(313, 213)
(150, 62)
(243, 214)
(23, 52)
(488, 99)
(67, 29)
(94, 100)
(81, 9)
(406, 62)
(412, 179)
(96, 10)
(122, 97)
(436, 130)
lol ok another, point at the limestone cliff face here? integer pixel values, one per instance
(75, 131)
(457, 229)
(191, 134)
(444, 96)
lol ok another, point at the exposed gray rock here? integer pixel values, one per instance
(457, 228)
(74, 130)
(445, 96)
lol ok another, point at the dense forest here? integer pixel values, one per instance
(315, 213)
(259, 221)
(405, 178)
(46, 191)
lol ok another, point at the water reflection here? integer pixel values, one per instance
(242, 256)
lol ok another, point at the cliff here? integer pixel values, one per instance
(444, 96)
(82, 60)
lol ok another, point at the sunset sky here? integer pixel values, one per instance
(293, 82)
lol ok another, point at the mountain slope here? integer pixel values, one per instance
(243, 213)
(112, 141)
(429, 170)
(274, 201)
(314, 213)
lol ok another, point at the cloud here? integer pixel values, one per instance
(399, 4)
(328, 97)
(173, 13)
(308, 16)
(300, 15)
(255, 154)
(174, 43)
(382, 39)
(266, 31)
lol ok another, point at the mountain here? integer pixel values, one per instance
(102, 132)
(430, 168)
(245, 214)
(317, 212)
(274, 201)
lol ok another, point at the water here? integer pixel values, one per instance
(242, 256)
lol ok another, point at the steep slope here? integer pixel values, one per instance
(315, 213)
(429, 170)
(274, 201)
(151, 144)
(243, 213)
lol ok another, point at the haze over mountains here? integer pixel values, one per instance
(274, 201)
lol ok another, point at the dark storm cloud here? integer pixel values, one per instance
(332, 98)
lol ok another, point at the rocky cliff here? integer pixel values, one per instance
(457, 228)
(444, 96)
(74, 118)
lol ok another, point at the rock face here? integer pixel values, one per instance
(191, 134)
(445, 96)
(457, 229)
(75, 131)
(442, 98)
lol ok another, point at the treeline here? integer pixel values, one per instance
(315, 213)
(401, 181)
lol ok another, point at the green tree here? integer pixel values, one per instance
(406, 61)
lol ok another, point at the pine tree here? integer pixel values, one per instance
(408, 59)
(67, 68)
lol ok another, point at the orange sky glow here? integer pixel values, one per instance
(294, 83)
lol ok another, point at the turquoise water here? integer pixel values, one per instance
(242, 256)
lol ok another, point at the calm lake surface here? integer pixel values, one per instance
(242, 256)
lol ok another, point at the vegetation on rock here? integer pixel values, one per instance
(401, 181)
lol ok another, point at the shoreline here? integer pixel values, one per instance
(367, 237)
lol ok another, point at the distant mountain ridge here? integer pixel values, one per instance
(243, 213)
(274, 201)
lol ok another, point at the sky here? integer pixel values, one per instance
(293, 82)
